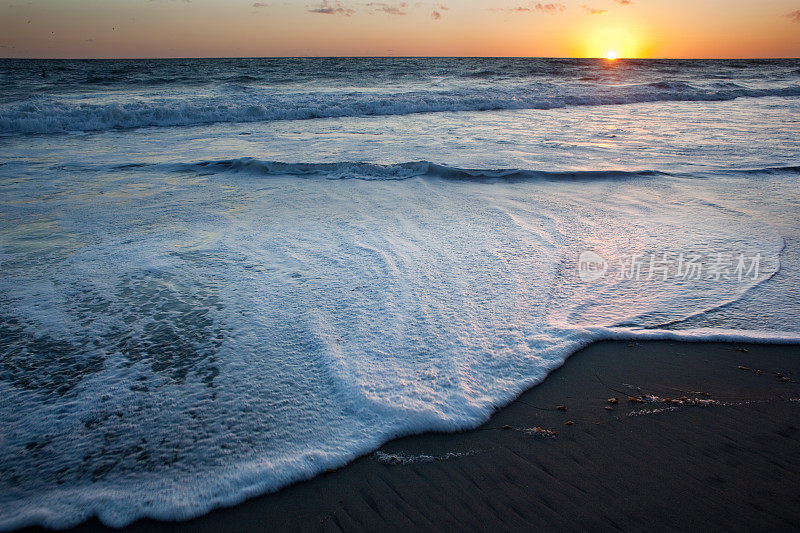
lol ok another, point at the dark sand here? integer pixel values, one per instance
(731, 465)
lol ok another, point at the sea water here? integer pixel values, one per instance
(223, 276)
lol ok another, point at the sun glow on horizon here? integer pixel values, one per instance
(612, 43)
(290, 28)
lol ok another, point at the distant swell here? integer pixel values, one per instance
(414, 169)
(400, 171)
(48, 115)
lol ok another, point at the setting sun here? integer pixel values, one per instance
(611, 42)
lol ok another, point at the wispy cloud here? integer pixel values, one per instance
(436, 15)
(794, 16)
(389, 9)
(260, 4)
(593, 11)
(550, 8)
(335, 8)
(624, 2)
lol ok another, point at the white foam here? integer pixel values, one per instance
(399, 458)
(221, 335)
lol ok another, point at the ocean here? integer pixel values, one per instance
(223, 276)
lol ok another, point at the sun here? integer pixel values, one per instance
(610, 42)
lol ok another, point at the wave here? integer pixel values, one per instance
(482, 74)
(115, 79)
(42, 115)
(399, 171)
(769, 170)
(413, 169)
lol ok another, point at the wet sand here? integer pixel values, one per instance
(715, 445)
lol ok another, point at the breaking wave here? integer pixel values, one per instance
(51, 115)
(414, 169)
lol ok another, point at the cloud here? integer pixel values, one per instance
(794, 16)
(443, 7)
(260, 4)
(389, 9)
(593, 11)
(551, 8)
(326, 8)
(436, 15)
(624, 2)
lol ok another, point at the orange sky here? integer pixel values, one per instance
(225, 28)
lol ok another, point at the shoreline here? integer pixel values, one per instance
(711, 440)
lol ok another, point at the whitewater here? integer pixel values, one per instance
(220, 277)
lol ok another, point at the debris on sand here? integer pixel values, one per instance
(540, 432)
(399, 458)
(683, 400)
(652, 411)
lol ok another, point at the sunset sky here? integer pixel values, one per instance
(217, 28)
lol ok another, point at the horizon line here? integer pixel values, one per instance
(355, 56)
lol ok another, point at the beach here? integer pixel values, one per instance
(313, 292)
(713, 447)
